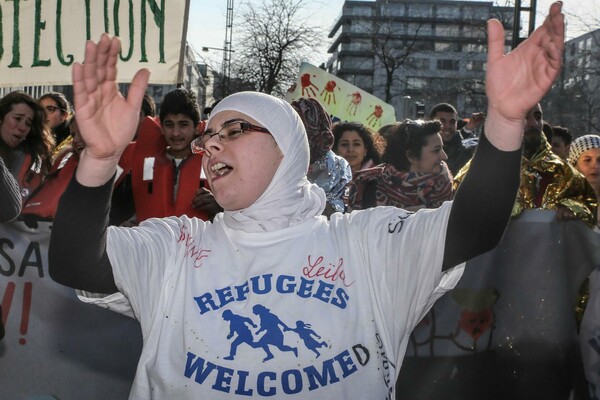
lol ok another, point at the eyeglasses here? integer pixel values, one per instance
(51, 109)
(229, 131)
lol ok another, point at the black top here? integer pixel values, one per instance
(458, 154)
(480, 212)
(10, 195)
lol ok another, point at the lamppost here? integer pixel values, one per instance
(226, 68)
(517, 18)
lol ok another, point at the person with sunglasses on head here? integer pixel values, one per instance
(360, 281)
(414, 174)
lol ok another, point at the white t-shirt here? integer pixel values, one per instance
(320, 310)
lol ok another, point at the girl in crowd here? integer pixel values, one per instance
(362, 280)
(584, 154)
(414, 174)
(58, 114)
(25, 142)
(356, 143)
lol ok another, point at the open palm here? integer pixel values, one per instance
(517, 81)
(107, 120)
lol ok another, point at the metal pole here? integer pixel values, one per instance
(227, 47)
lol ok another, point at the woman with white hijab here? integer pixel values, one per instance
(218, 302)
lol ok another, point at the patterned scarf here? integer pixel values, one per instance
(400, 189)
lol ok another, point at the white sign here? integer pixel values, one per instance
(40, 40)
(57, 347)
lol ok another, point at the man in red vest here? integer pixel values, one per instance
(167, 179)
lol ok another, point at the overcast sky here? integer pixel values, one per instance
(206, 25)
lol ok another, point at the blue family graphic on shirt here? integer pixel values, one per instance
(273, 329)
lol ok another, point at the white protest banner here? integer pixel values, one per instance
(340, 98)
(508, 330)
(57, 347)
(40, 40)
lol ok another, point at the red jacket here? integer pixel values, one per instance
(43, 202)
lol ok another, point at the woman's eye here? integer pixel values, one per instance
(234, 133)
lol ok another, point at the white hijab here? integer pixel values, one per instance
(290, 198)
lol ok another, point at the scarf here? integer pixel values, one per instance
(290, 198)
(317, 124)
(399, 188)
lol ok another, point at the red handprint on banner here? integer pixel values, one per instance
(327, 94)
(308, 88)
(375, 118)
(354, 103)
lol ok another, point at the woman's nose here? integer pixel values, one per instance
(213, 145)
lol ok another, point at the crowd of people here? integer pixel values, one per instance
(411, 164)
(263, 187)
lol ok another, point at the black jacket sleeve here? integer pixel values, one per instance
(10, 196)
(77, 253)
(483, 203)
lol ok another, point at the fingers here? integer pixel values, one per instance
(112, 57)
(137, 89)
(79, 92)
(555, 21)
(102, 53)
(495, 40)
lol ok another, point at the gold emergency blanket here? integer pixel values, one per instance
(567, 188)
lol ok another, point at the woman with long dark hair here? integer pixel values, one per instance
(25, 142)
(414, 174)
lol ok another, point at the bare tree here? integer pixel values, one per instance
(392, 51)
(274, 40)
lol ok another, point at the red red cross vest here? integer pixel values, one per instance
(43, 202)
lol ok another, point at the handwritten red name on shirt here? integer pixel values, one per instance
(330, 271)
(192, 250)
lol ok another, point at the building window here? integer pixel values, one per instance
(475, 32)
(449, 12)
(419, 10)
(358, 63)
(474, 48)
(419, 29)
(417, 63)
(360, 45)
(476, 66)
(423, 46)
(445, 30)
(443, 46)
(362, 11)
(361, 27)
(393, 10)
(479, 13)
(399, 28)
(447, 65)
(414, 82)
